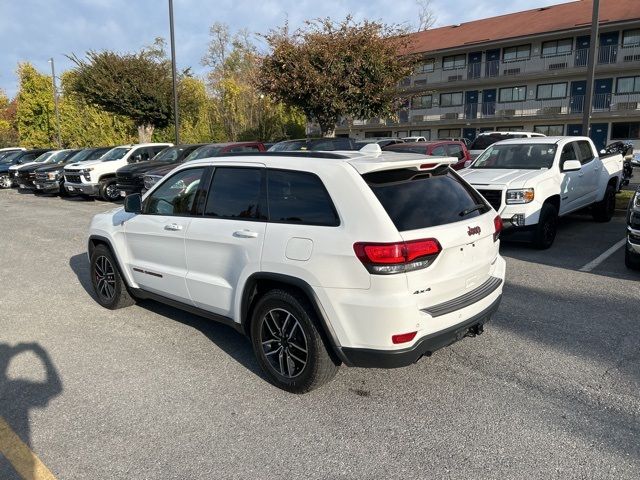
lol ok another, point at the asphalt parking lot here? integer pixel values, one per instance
(549, 391)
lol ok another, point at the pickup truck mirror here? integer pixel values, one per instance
(135, 158)
(133, 203)
(571, 166)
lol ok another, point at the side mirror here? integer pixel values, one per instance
(603, 152)
(135, 158)
(133, 203)
(571, 166)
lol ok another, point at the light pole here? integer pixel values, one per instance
(55, 101)
(176, 115)
(588, 101)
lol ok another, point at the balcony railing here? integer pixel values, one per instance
(576, 59)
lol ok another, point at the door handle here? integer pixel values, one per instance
(245, 234)
(174, 227)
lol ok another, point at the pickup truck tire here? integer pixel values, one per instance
(108, 191)
(630, 260)
(603, 210)
(545, 232)
(288, 344)
(109, 287)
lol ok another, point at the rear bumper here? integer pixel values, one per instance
(373, 358)
(84, 188)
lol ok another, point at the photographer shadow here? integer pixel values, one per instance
(17, 398)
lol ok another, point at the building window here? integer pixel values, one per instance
(376, 134)
(628, 85)
(450, 99)
(625, 131)
(631, 38)
(513, 94)
(454, 62)
(551, 90)
(550, 130)
(520, 52)
(557, 47)
(405, 82)
(421, 133)
(401, 134)
(511, 129)
(449, 133)
(427, 66)
(424, 101)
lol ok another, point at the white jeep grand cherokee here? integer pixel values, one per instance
(361, 258)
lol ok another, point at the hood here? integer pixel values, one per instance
(31, 167)
(16, 167)
(51, 167)
(491, 176)
(143, 167)
(162, 171)
(81, 165)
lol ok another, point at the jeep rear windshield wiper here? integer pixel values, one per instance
(469, 210)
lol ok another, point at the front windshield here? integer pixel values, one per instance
(80, 156)
(168, 154)
(204, 152)
(44, 157)
(288, 146)
(115, 154)
(7, 157)
(522, 156)
(59, 156)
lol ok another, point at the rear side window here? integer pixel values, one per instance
(299, 197)
(236, 193)
(439, 151)
(415, 200)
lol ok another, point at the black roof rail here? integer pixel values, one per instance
(300, 154)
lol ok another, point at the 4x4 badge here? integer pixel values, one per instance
(473, 231)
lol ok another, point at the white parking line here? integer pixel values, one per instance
(597, 261)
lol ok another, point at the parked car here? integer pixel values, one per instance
(130, 178)
(319, 257)
(414, 139)
(205, 151)
(466, 141)
(43, 159)
(98, 177)
(383, 142)
(50, 178)
(16, 158)
(533, 181)
(315, 144)
(4, 152)
(626, 150)
(438, 148)
(25, 176)
(632, 250)
(485, 139)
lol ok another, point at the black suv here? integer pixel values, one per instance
(50, 178)
(19, 158)
(632, 250)
(130, 178)
(25, 176)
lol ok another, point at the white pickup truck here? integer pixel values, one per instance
(531, 182)
(98, 177)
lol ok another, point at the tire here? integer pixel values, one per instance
(108, 190)
(547, 227)
(5, 181)
(631, 260)
(303, 362)
(603, 210)
(108, 285)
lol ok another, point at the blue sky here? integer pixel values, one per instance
(34, 30)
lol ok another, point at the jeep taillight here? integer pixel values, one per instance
(497, 223)
(400, 257)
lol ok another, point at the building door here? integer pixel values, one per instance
(471, 104)
(475, 64)
(599, 134)
(469, 134)
(574, 130)
(602, 89)
(582, 51)
(578, 89)
(489, 102)
(492, 67)
(608, 52)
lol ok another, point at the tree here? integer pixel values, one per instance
(426, 15)
(136, 86)
(332, 70)
(8, 131)
(34, 111)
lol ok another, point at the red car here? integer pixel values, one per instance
(437, 148)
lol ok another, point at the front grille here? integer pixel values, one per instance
(72, 178)
(494, 197)
(42, 176)
(133, 181)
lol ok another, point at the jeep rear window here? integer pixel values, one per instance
(415, 200)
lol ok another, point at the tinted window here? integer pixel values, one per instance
(297, 197)
(204, 152)
(568, 153)
(408, 149)
(526, 156)
(483, 141)
(416, 200)
(439, 151)
(586, 155)
(176, 195)
(245, 148)
(455, 151)
(29, 157)
(236, 193)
